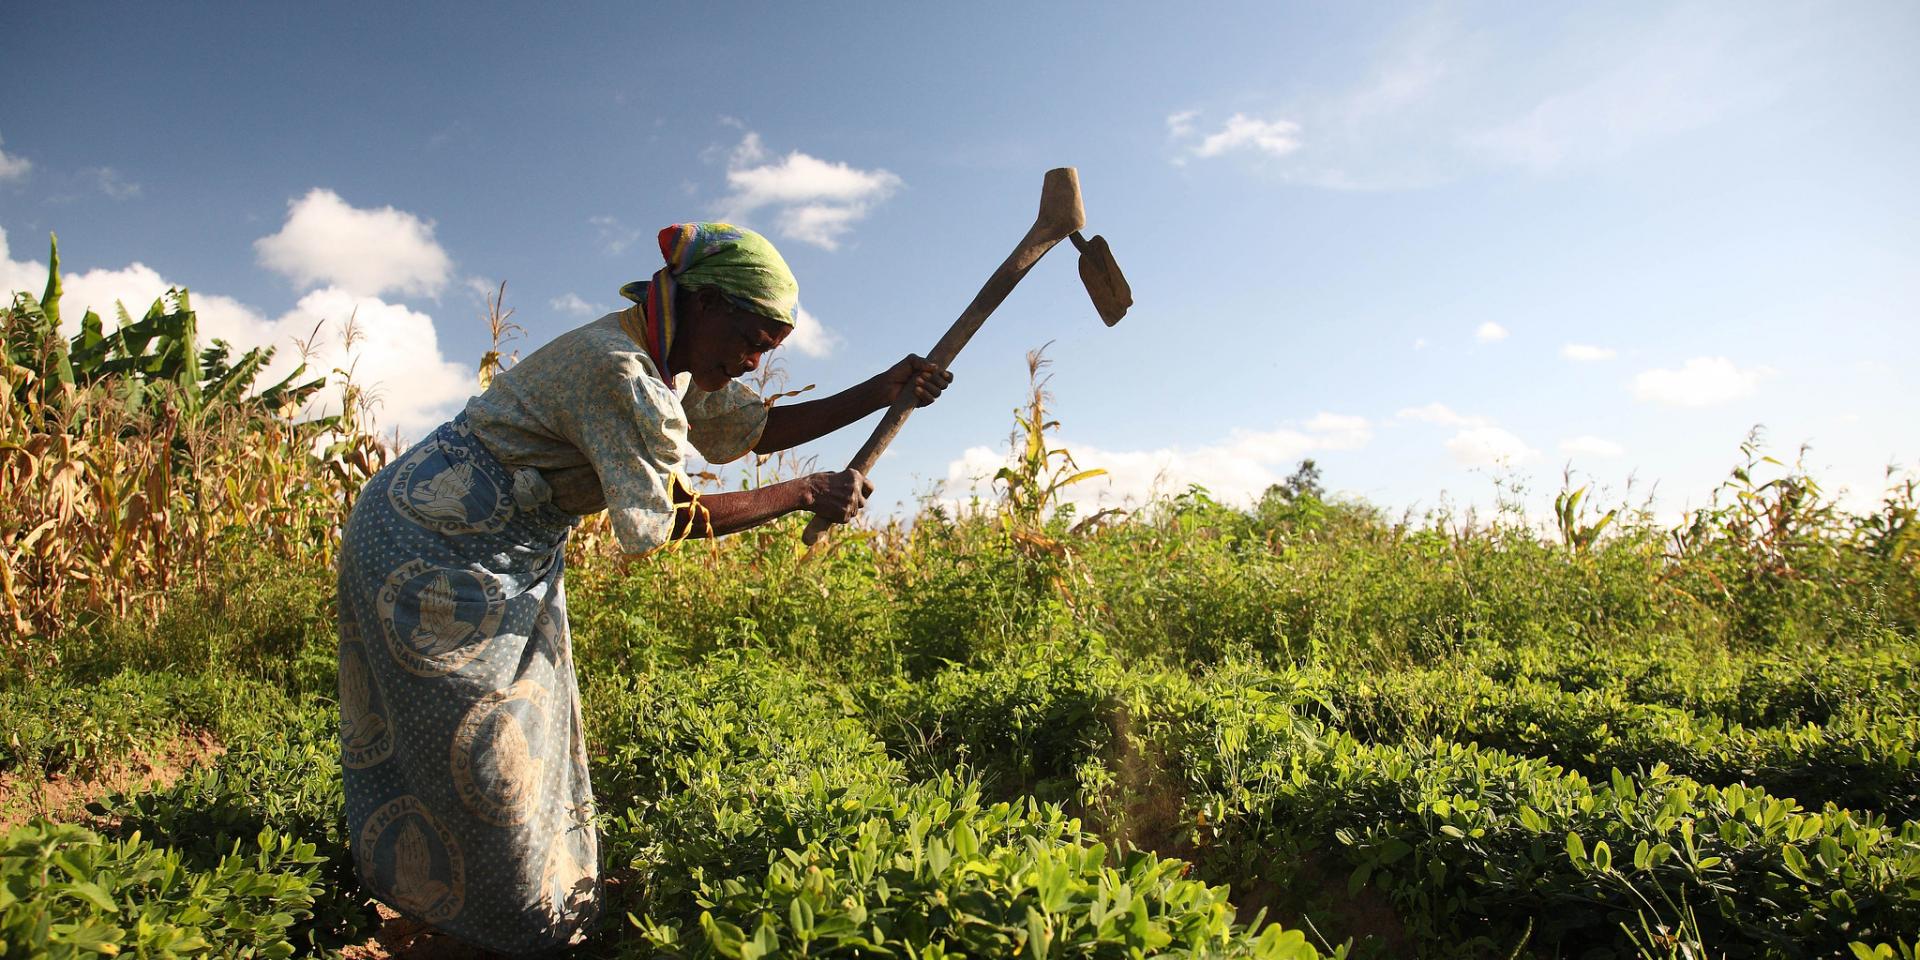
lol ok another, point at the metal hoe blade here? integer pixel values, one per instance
(1105, 283)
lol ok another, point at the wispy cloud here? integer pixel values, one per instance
(1586, 352)
(1441, 414)
(1476, 441)
(615, 237)
(570, 303)
(1489, 446)
(1591, 446)
(327, 241)
(13, 166)
(1686, 71)
(812, 200)
(1489, 332)
(1240, 133)
(1440, 98)
(810, 336)
(110, 182)
(1701, 382)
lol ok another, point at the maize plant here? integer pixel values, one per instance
(127, 458)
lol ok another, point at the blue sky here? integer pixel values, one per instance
(1426, 245)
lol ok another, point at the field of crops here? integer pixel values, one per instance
(1298, 729)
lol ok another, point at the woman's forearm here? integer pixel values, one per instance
(791, 425)
(836, 496)
(718, 514)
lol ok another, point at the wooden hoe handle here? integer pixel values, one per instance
(1060, 215)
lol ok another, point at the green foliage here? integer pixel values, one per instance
(68, 892)
(156, 356)
(1025, 722)
(1030, 485)
(1575, 534)
(932, 871)
(1860, 756)
(61, 727)
(284, 782)
(1011, 731)
(1471, 844)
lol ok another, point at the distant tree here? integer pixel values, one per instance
(1302, 484)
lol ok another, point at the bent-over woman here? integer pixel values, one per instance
(468, 802)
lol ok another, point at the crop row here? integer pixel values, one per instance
(1473, 844)
(1856, 757)
(750, 810)
(56, 726)
(1469, 845)
(244, 857)
(1758, 688)
(759, 816)
(68, 892)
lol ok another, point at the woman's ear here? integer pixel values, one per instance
(694, 302)
(712, 301)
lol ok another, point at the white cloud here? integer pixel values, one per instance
(1437, 94)
(1486, 446)
(1690, 68)
(1275, 138)
(1440, 413)
(615, 237)
(1419, 343)
(813, 200)
(327, 242)
(28, 276)
(111, 183)
(570, 303)
(1702, 382)
(1591, 446)
(1489, 332)
(1476, 441)
(398, 357)
(1334, 431)
(13, 167)
(811, 337)
(135, 285)
(1237, 469)
(1587, 352)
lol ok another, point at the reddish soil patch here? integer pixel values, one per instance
(1150, 814)
(1318, 897)
(1151, 799)
(60, 797)
(402, 937)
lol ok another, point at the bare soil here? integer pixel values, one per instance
(1153, 817)
(61, 797)
(404, 937)
(1318, 896)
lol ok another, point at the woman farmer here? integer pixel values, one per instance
(468, 804)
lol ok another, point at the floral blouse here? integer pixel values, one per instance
(591, 413)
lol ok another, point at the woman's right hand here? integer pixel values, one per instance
(838, 497)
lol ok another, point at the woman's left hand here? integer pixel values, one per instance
(924, 377)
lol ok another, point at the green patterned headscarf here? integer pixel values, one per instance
(737, 261)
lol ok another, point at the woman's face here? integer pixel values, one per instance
(724, 341)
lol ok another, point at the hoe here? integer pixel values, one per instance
(1061, 217)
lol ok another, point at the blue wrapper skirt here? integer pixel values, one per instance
(467, 797)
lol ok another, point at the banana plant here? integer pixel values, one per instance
(156, 354)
